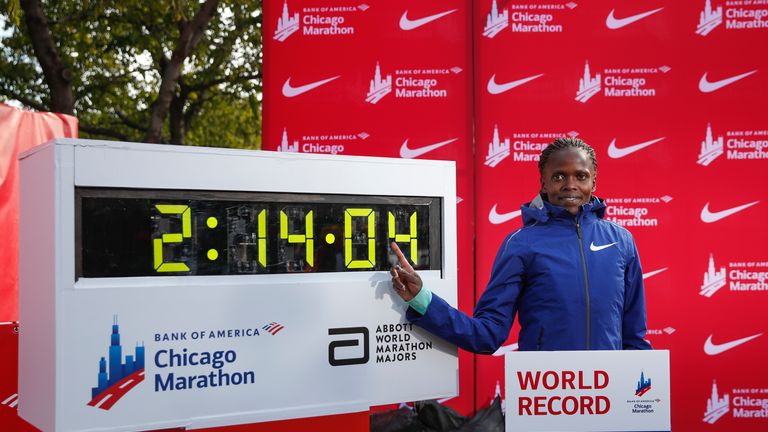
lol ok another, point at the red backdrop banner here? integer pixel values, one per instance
(670, 94)
(21, 130)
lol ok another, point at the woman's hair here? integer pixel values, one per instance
(565, 143)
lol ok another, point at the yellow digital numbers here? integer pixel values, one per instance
(410, 238)
(186, 232)
(263, 238)
(308, 238)
(348, 238)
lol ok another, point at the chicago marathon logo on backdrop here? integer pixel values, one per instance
(738, 14)
(522, 146)
(117, 377)
(527, 18)
(620, 82)
(412, 83)
(744, 403)
(750, 144)
(636, 211)
(740, 276)
(327, 143)
(380, 86)
(317, 21)
(497, 150)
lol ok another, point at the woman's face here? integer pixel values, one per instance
(568, 179)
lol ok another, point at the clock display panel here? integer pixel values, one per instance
(135, 232)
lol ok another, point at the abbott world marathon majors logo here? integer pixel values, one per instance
(411, 83)
(750, 144)
(743, 403)
(334, 143)
(317, 21)
(392, 343)
(737, 14)
(522, 146)
(625, 82)
(531, 17)
(740, 276)
(636, 211)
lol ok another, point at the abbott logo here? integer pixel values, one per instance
(709, 19)
(716, 406)
(343, 357)
(711, 148)
(285, 147)
(286, 24)
(497, 150)
(496, 21)
(713, 279)
(379, 87)
(588, 85)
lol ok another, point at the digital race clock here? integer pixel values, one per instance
(173, 286)
(132, 232)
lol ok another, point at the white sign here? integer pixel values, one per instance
(151, 351)
(587, 391)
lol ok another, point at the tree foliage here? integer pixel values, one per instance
(170, 71)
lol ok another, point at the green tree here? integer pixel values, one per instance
(166, 71)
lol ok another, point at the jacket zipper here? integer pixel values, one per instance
(584, 270)
(541, 335)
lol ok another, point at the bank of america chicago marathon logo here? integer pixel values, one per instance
(316, 21)
(333, 143)
(620, 82)
(522, 146)
(525, 18)
(410, 83)
(643, 385)
(742, 403)
(751, 144)
(740, 276)
(117, 377)
(739, 15)
(636, 211)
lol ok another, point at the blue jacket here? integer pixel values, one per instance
(575, 281)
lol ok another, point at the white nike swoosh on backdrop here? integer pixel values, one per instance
(496, 218)
(290, 91)
(495, 88)
(616, 152)
(595, 248)
(505, 349)
(653, 273)
(409, 153)
(614, 23)
(707, 86)
(407, 24)
(715, 349)
(710, 216)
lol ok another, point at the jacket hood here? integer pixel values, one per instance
(540, 210)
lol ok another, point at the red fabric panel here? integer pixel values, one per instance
(19, 131)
